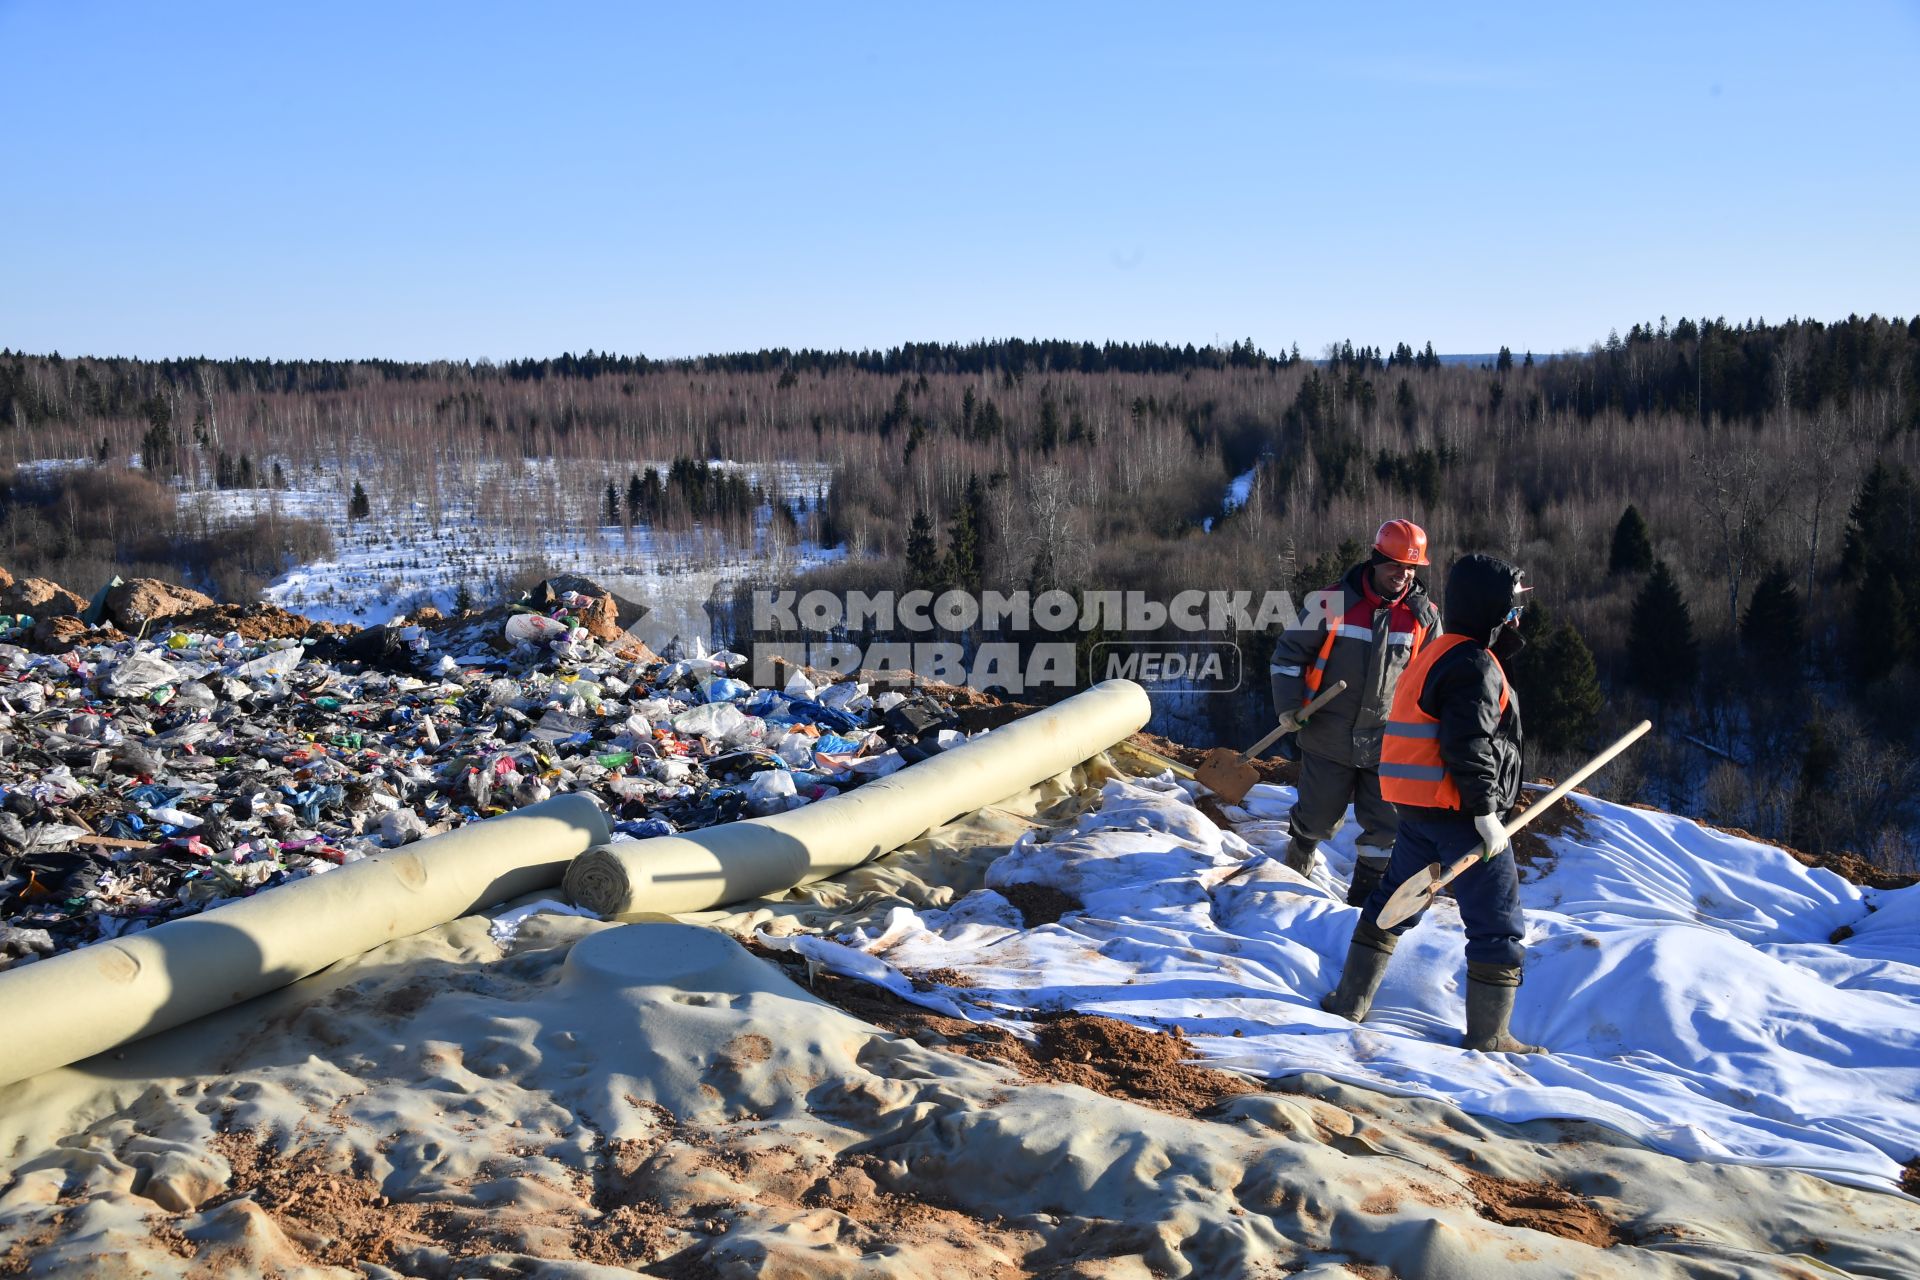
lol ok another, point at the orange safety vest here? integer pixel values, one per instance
(1317, 673)
(1411, 770)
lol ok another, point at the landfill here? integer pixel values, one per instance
(150, 776)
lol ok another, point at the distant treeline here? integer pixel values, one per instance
(1699, 367)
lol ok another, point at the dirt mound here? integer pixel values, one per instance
(64, 631)
(342, 1219)
(1850, 867)
(1562, 818)
(39, 598)
(1542, 1206)
(133, 604)
(256, 622)
(1104, 1055)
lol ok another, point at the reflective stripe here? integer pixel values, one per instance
(1352, 632)
(1400, 728)
(1279, 670)
(1414, 772)
(1401, 637)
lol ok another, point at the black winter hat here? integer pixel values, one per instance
(1481, 589)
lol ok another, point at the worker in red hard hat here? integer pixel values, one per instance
(1381, 617)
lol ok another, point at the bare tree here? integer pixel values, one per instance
(1738, 494)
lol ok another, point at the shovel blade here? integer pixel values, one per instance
(1412, 897)
(1223, 774)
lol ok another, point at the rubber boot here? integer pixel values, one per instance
(1300, 854)
(1367, 875)
(1360, 979)
(1490, 993)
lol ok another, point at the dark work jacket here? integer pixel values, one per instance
(1479, 744)
(1349, 729)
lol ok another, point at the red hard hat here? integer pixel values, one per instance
(1402, 541)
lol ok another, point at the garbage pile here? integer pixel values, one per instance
(148, 777)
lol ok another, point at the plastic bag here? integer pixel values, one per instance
(714, 720)
(533, 628)
(768, 791)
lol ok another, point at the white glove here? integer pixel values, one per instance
(1291, 721)
(1493, 833)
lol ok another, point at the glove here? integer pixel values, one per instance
(1292, 720)
(1493, 834)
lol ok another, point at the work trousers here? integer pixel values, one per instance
(1488, 892)
(1326, 788)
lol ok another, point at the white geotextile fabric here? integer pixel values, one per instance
(1682, 977)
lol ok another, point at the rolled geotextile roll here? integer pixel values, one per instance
(760, 856)
(83, 1002)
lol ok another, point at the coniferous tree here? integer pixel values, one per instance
(613, 504)
(463, 599)
(1864, 522)
(826, 525)
(1632, 547)
(1883, 633)
(1405, 407)
(1049, 424)
(359, 507)
(1774, 630)
(279, 476)
(1663, 658)
(923, 557)
(1558, 683)
(963, 542)
(1810, 816)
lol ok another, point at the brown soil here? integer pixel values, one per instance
(255, 622)
(884, 1207)
(1542, 1206)
(338, 1219)
(1562, 818)
(1104, 1055)
(1040, 904)
(19, 1254)
(1850, 867)
(64, 632)
(1910, 1177)
(1211, 810)
(926, 979)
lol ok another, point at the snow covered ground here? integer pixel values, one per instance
(479, 522)
(1685, 980)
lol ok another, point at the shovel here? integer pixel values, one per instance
(1420, 889)
(1227, 773)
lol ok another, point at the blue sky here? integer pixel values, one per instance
(421, 180)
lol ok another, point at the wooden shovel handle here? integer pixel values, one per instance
(1440, 877)
(1282, 729)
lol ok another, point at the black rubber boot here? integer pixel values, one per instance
(1300, 854)
(1490, 993)
(1367, 875)
(1360, 979)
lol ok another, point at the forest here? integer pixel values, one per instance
(1719, 518)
